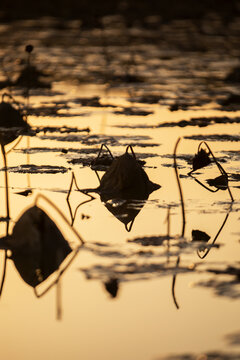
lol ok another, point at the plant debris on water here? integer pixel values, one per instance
(91, 119)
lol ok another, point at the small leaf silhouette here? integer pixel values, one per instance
(11, 123)
(198, 235)
(220, 182)
(200, 160)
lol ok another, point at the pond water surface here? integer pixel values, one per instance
(158, 286)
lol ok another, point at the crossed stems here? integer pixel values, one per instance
(96, 190)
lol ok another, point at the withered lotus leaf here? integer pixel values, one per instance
(37, 245)
(200, 160)
(30, 77)
(198, 235)
(220, 182)
(12, 123)
(125, 178)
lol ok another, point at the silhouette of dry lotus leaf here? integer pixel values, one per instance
(37, 245)
(126, 179)
(198, 235)
(112, 286)
(11, 123)
(200, 160)
(220, 182)
(30, 77)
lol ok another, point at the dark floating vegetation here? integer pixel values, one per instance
(149, 241)
(60, 129)
(214, 137)
(133, 112)
(36, 169)
(223, 287)
(202, 121)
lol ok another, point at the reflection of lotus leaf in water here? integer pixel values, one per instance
(37, 245)
(11, 123)
(112, 286)
(125, 180)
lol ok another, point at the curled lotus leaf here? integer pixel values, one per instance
(200, 160)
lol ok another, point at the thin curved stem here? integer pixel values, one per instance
(7, 217)
(6, 188)
(131, 148)
(205, 186)
(4, 272)
(174, 283)
(59, 299)
(216, 236)
(100, 151)
(179, 187)
(130, 227)
(85, 192)
(13, 147)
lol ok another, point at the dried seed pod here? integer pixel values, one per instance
(200, 160)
